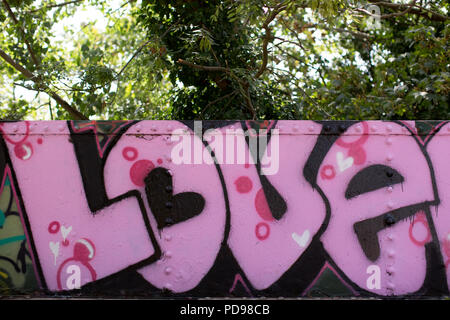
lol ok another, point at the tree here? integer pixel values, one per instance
(228, 59)
(83, 74)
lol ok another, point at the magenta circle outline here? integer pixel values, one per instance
(50, 227)
(411, 236)
(27, 124)
(258, 234)
(324, 175)
(125, 153)
(361, 140)
(86, 264)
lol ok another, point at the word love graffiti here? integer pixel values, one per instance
(353, 209)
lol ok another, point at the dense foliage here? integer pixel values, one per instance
(226, 59)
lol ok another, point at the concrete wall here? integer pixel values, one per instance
(249, 209)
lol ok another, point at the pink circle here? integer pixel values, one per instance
(258, 231)
(23, 151)
(358, 154)
(243, 184)
(361, 140)
(159, 161)
(25, 136)
(262, 207)
(140, 170)
(420, 218)
(130, 153)
(53, 227)
(65, 243)
(39, 140)
(327, 172)
(247, 166)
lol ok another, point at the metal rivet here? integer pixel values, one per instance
(390, 174)
(15, 128)
(327, 128)
(390, 285)
(169, 188)
(153, 127)
(295, 128)
(389, 220)
(390, 237)
(390, 205)
(169, 204)
(374, 128)
(390, 189)
(390, 157)
(390, 270)
(168, 270)
(311, 128)
(61, 127)
(388, 141)
(342, 128)
(167, 237)
(168, 254)
(358, 128)
(389, 128)
(391, 253)
(138, 128)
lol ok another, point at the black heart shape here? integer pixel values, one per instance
(167, 208)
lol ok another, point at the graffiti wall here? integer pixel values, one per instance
(225, 208)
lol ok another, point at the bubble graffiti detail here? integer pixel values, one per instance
(226, 208)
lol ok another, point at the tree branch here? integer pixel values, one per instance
(356, 34)
(303, 92)
(203, 68)
(268, 36)
(249, 102)
(53, 6)
(410, 8)
(142, 47)
(231, 94)
(41, 86)
(27, 43)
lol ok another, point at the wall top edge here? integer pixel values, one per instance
(168, 127)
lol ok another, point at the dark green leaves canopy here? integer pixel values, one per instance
(211, 59)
